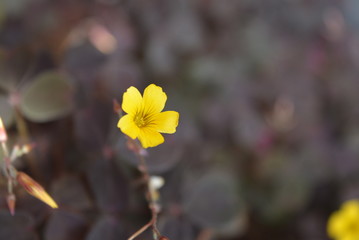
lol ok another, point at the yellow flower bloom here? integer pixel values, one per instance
(344, 223)
(144, 119)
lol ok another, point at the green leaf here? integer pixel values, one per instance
(47, 98)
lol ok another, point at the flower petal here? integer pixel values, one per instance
(128, 126)
(132, 100)
(149, 137)
(336, 226)
(154, 99)
(166, 122)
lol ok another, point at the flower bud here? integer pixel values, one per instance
(35, 189)
(27, 148)
(155, 183)
(11, 199)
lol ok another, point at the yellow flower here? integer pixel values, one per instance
(144, 119)
(344, 223)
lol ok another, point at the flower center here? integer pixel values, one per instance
(139, 120)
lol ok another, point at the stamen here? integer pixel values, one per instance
(139, 120)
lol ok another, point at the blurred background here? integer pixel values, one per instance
(268, 141)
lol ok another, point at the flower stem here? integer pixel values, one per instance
(5, 149)
(152, 204)
(24, 134)
(5, 160)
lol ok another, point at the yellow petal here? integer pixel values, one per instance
(351, 207)
(166, 122)
(336, 225)
(35, 189)
(149, 137)
(132, 101)
(128, 126)
(154, 99)
(349, 236)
